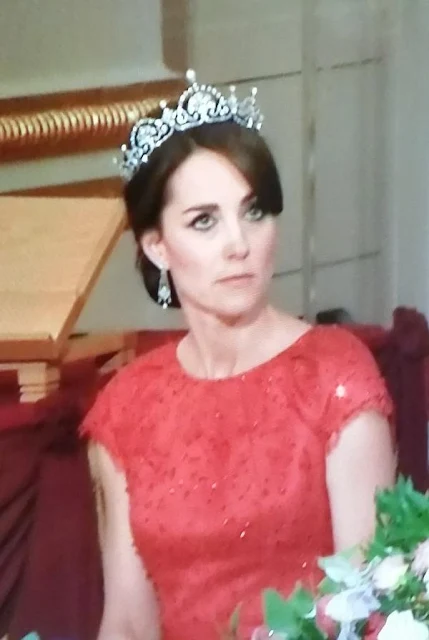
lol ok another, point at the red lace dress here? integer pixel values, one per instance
(226, 478)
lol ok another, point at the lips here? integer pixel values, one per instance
(244, 277)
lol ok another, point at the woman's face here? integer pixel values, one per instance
(217, 244)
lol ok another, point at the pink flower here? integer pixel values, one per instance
(262, 633)
(374, 625)
(323, 621)
(420, 563)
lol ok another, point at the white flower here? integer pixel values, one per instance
(388, 573)
(421, 559)
(352, 605)
(401, 625)
(348, 632)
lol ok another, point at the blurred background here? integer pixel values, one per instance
(344, 86)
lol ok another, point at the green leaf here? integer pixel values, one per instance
(288, 615)
(302, 601)
(31, 636)
(328, 587)
(402, 520)
(338, 567)
(279, 615)
(310, 631)
(234, 620)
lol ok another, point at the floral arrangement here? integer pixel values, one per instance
(387, 598)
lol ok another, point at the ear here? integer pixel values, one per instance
(154, 249)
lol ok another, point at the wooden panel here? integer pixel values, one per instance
(52, 251)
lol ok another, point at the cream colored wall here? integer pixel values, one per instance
(244, 41)
(247, 41)
(409, 158)
(55, 45)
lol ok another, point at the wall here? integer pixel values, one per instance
(408, 175)
(249, 41)
(244, 42)
(55, 45)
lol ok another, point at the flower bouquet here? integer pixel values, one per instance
(387, 598)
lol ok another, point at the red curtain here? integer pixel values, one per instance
(50, 570)
(402, 355)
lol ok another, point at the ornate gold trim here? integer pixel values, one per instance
(101, 121)
(103, 188)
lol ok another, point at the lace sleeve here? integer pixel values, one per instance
(352, 384)
(102, 424)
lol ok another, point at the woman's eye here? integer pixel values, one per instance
(254, 214)
(203, 222)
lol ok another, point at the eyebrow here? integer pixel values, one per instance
(212, 206)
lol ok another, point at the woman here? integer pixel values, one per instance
(231, 459)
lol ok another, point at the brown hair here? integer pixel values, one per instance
(145, 194)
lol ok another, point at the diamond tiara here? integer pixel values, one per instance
(197, 105)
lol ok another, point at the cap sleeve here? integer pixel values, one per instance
(122, 410)
(352, 384)
(107, 417)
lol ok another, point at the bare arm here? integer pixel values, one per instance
(362, 461)
(130, 609)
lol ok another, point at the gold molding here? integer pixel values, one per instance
(76, 122)
(102, 188)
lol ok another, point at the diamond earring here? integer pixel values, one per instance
(164, 290)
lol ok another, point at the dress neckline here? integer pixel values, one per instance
(289, 350)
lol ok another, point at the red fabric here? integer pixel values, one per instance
(50, 570)
(227, 477)
(401, 353)
(19, 467)
(61, 593)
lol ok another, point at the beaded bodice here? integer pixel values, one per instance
(226, 478)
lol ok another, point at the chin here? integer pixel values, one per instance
(239, 308)
(229, 306)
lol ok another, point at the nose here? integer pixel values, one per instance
(236, 242)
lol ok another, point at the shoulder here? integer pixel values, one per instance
(337, 343)
(142, 373)
(338, 358)
(349, 381)
(127, 398)
(334, 353)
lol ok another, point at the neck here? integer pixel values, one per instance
(218, 348)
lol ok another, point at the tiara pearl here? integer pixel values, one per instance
(198, 104)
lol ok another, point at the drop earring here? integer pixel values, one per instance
(164, 290)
